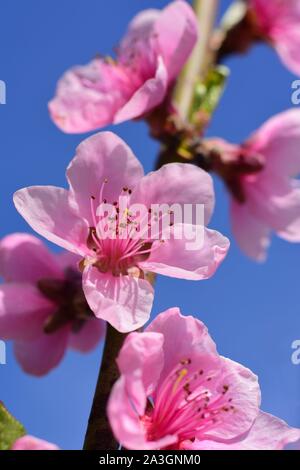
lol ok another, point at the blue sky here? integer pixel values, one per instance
(252, 311)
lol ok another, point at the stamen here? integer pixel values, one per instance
(93, 212)
(181, 375)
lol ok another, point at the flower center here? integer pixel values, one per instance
(188, 403)
(119, 239)
(68, 295)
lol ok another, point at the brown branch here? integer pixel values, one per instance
(99, 435)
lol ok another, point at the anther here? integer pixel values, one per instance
(184, 361)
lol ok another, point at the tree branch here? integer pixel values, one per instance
(99, 435)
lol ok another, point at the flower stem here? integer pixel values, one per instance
(99, 435)
(200, 59)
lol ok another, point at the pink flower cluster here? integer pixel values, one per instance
(174, 391)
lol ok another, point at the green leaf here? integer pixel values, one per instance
(207, 95)
(10, 429)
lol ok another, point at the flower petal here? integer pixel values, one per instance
(243, 389)
(288, 216)
(68, 260)
(279, 21)
(176, 183)
(279, 140)
(125, 301)
(267, 433)
(126, 424)
(251, 234)
(177, 31)
(47, 210)
(140, 30)
(140, 361)
(102, 157)
(277, 204)
(88, 97)
(40, 356)
(174, 258)
(184, 337)
(32, 443)
(88, 337)
(23, 311)
(287, 44)
(150, 94)
(24, 257)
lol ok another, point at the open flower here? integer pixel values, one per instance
(42, 305)
(260, 175)
(176, 392)
(149, 59)
(115, 253)
(32, 443)
(277, 22)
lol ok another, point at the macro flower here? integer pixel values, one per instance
(260, 174)
(277, 22)
(115, 254)
(42, 305)
(149, 58)
(176, 392)
(32, 443)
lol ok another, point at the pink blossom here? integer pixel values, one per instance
(279, 22)
(176, 392)
(114, 282)
(32, 443)
(42, 306)
(149, 58)
(269, 199)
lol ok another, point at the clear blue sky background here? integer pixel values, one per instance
(252, 311)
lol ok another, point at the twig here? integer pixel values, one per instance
(99, 435)
(196, 67)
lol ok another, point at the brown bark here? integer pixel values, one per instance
(99, 435)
